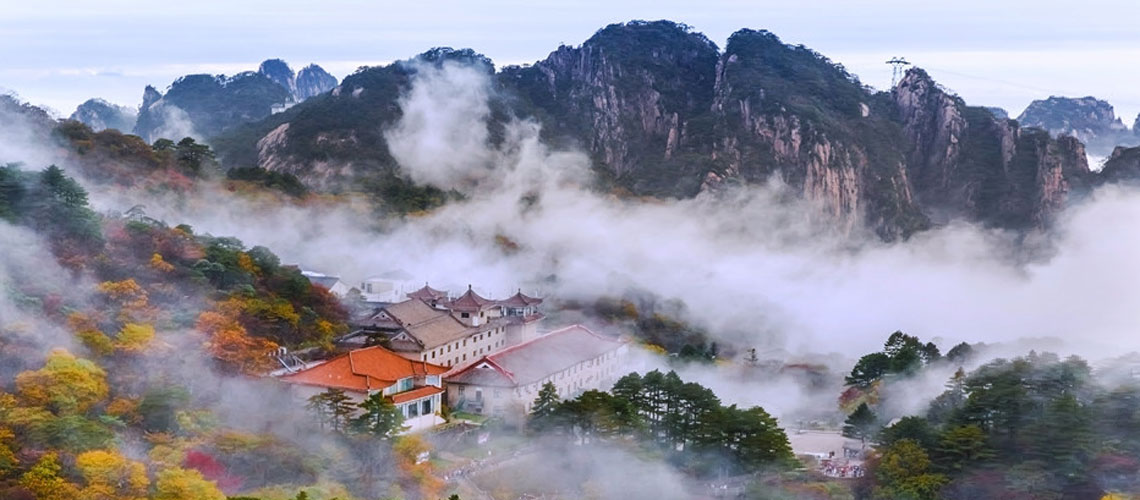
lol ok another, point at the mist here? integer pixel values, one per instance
(753, 266)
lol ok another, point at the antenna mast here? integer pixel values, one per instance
(898, 65)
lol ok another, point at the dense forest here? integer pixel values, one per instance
(1035, 426)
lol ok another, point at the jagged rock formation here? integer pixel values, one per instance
(662, 111)
(1089, 119)
(100, 115)
(313, 80)
(999, 113)
(203, 106)
(965, 162)
(1122, 166)
(637, 96)
(280, 73)
(787, 111)
(310, 81)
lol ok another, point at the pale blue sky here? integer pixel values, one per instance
(996, 52)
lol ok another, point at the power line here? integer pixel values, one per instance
(897, 65)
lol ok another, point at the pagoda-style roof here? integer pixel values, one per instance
(471, 302)
(428, 294)
(520, 300)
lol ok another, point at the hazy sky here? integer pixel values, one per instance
(994, 52)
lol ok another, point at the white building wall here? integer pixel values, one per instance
(489, 341)
(596, 374)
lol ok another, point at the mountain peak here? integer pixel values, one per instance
(280, 73)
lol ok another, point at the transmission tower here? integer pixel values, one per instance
(899, 65)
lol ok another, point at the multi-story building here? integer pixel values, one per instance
(415, 387)
(505, 383)
(453, 333)
(522, 316)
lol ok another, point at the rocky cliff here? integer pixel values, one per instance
(100, 114)
(310, 81)
(786, 111)
(636, 96)
(203, 106)
(1089, 119)
(964, 161)
(663, 111)
(313, 80)
(280, 73)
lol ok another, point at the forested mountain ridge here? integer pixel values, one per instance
(662, 111)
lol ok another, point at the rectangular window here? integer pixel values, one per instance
(413, 410)
(426, 407)
(464, 315)
(461, 388)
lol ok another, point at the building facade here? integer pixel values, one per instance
(415, 387)
(452, 333)
(505, 384)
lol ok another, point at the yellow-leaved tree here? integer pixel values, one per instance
(65, 385)
(109, 475)
(134, 337)
(183, 484)
(44, 481)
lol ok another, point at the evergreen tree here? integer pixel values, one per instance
(332, 407)
(380, 417)
(868, 369)
(545, 408)
(861, 423)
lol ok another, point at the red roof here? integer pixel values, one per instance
(428, 294)
(415, 394)
(520, 300)
(362, 370)
(470, 301)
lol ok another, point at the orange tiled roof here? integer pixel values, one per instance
(362, 370)
(415, 394)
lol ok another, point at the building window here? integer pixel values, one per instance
(413, 410)
(461, 388)
(464, 315)
(425, 408)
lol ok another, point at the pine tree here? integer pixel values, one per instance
(545, 407)
(381, 418)
(860, 424)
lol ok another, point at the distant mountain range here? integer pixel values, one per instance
(204, 106)
(663, 111)
(1089, 119)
